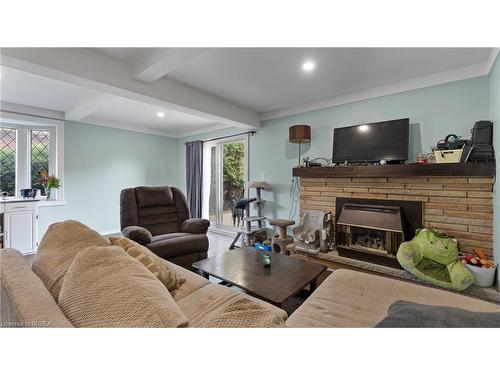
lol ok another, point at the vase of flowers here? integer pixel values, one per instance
(49, 182)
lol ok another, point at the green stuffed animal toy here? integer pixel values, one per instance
(433, 256)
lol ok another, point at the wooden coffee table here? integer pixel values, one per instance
(244, 268)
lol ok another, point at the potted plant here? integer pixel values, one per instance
(49, 183)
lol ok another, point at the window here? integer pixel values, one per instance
(25, 151)
(40, 146)
(8, 160)
(225, 173)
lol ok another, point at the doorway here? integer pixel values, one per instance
(225, 177)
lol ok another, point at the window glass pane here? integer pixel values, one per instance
(8, 160)
(39, 156)
(233, 180)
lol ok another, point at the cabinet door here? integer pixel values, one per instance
(20, 229)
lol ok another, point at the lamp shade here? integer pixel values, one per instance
(299, 134)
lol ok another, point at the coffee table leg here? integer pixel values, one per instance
(313, 285)
(205, 275)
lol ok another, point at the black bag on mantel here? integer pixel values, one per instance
(480, 147)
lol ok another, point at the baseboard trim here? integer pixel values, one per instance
(221, 231)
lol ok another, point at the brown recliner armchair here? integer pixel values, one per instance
(158, 218)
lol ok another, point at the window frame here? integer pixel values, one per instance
(23, 125)
(219, 145)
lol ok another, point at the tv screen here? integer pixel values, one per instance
(386, 140)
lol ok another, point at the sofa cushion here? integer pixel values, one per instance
(242, 312)
(105, 287)
(169, 236)
(356, 299)
(177, 244)
(28, 299)
(403, 314)
(60, 244)
(195, 226)
(148, 196)
(205, 307)
(159, 209)
(167, 275)
(193, 281)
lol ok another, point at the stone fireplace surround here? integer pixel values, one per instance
(457, 199)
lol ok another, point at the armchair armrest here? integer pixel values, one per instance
(461, 277)
(138, 234)
(409, 254)
(195, 226)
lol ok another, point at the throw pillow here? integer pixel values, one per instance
(167, 275)
(403, 314)
(105, 287)
(57, 249)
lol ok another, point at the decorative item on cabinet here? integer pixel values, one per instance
(49, 183)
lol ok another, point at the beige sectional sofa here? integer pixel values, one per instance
(345, 299)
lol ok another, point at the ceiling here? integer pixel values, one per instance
(268, 79)
(118, 53)
(203, 89)
(132, 112)
(32, 90)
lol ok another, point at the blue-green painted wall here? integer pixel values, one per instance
(495, 117)
(434, 112)
(98, 163)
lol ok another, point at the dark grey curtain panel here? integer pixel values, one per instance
(194, 177)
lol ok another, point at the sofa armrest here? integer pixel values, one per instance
(461, 277)
(409, 254)
(195, 226)
(138, 234)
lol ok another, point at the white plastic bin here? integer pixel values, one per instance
(482, 276)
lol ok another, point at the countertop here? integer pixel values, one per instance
(18, 199)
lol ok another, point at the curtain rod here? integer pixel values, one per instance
(251, 132)
(30, 114)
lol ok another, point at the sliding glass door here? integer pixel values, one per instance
(225, 176)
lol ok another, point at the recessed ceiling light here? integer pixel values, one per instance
(308, 66)
(160, 114)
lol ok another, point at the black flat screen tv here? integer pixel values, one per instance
(385, 140)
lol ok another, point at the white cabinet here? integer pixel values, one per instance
(21, 226)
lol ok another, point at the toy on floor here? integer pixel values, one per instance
(481, 260)
(433, 257)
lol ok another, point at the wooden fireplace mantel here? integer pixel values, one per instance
(400, 170)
